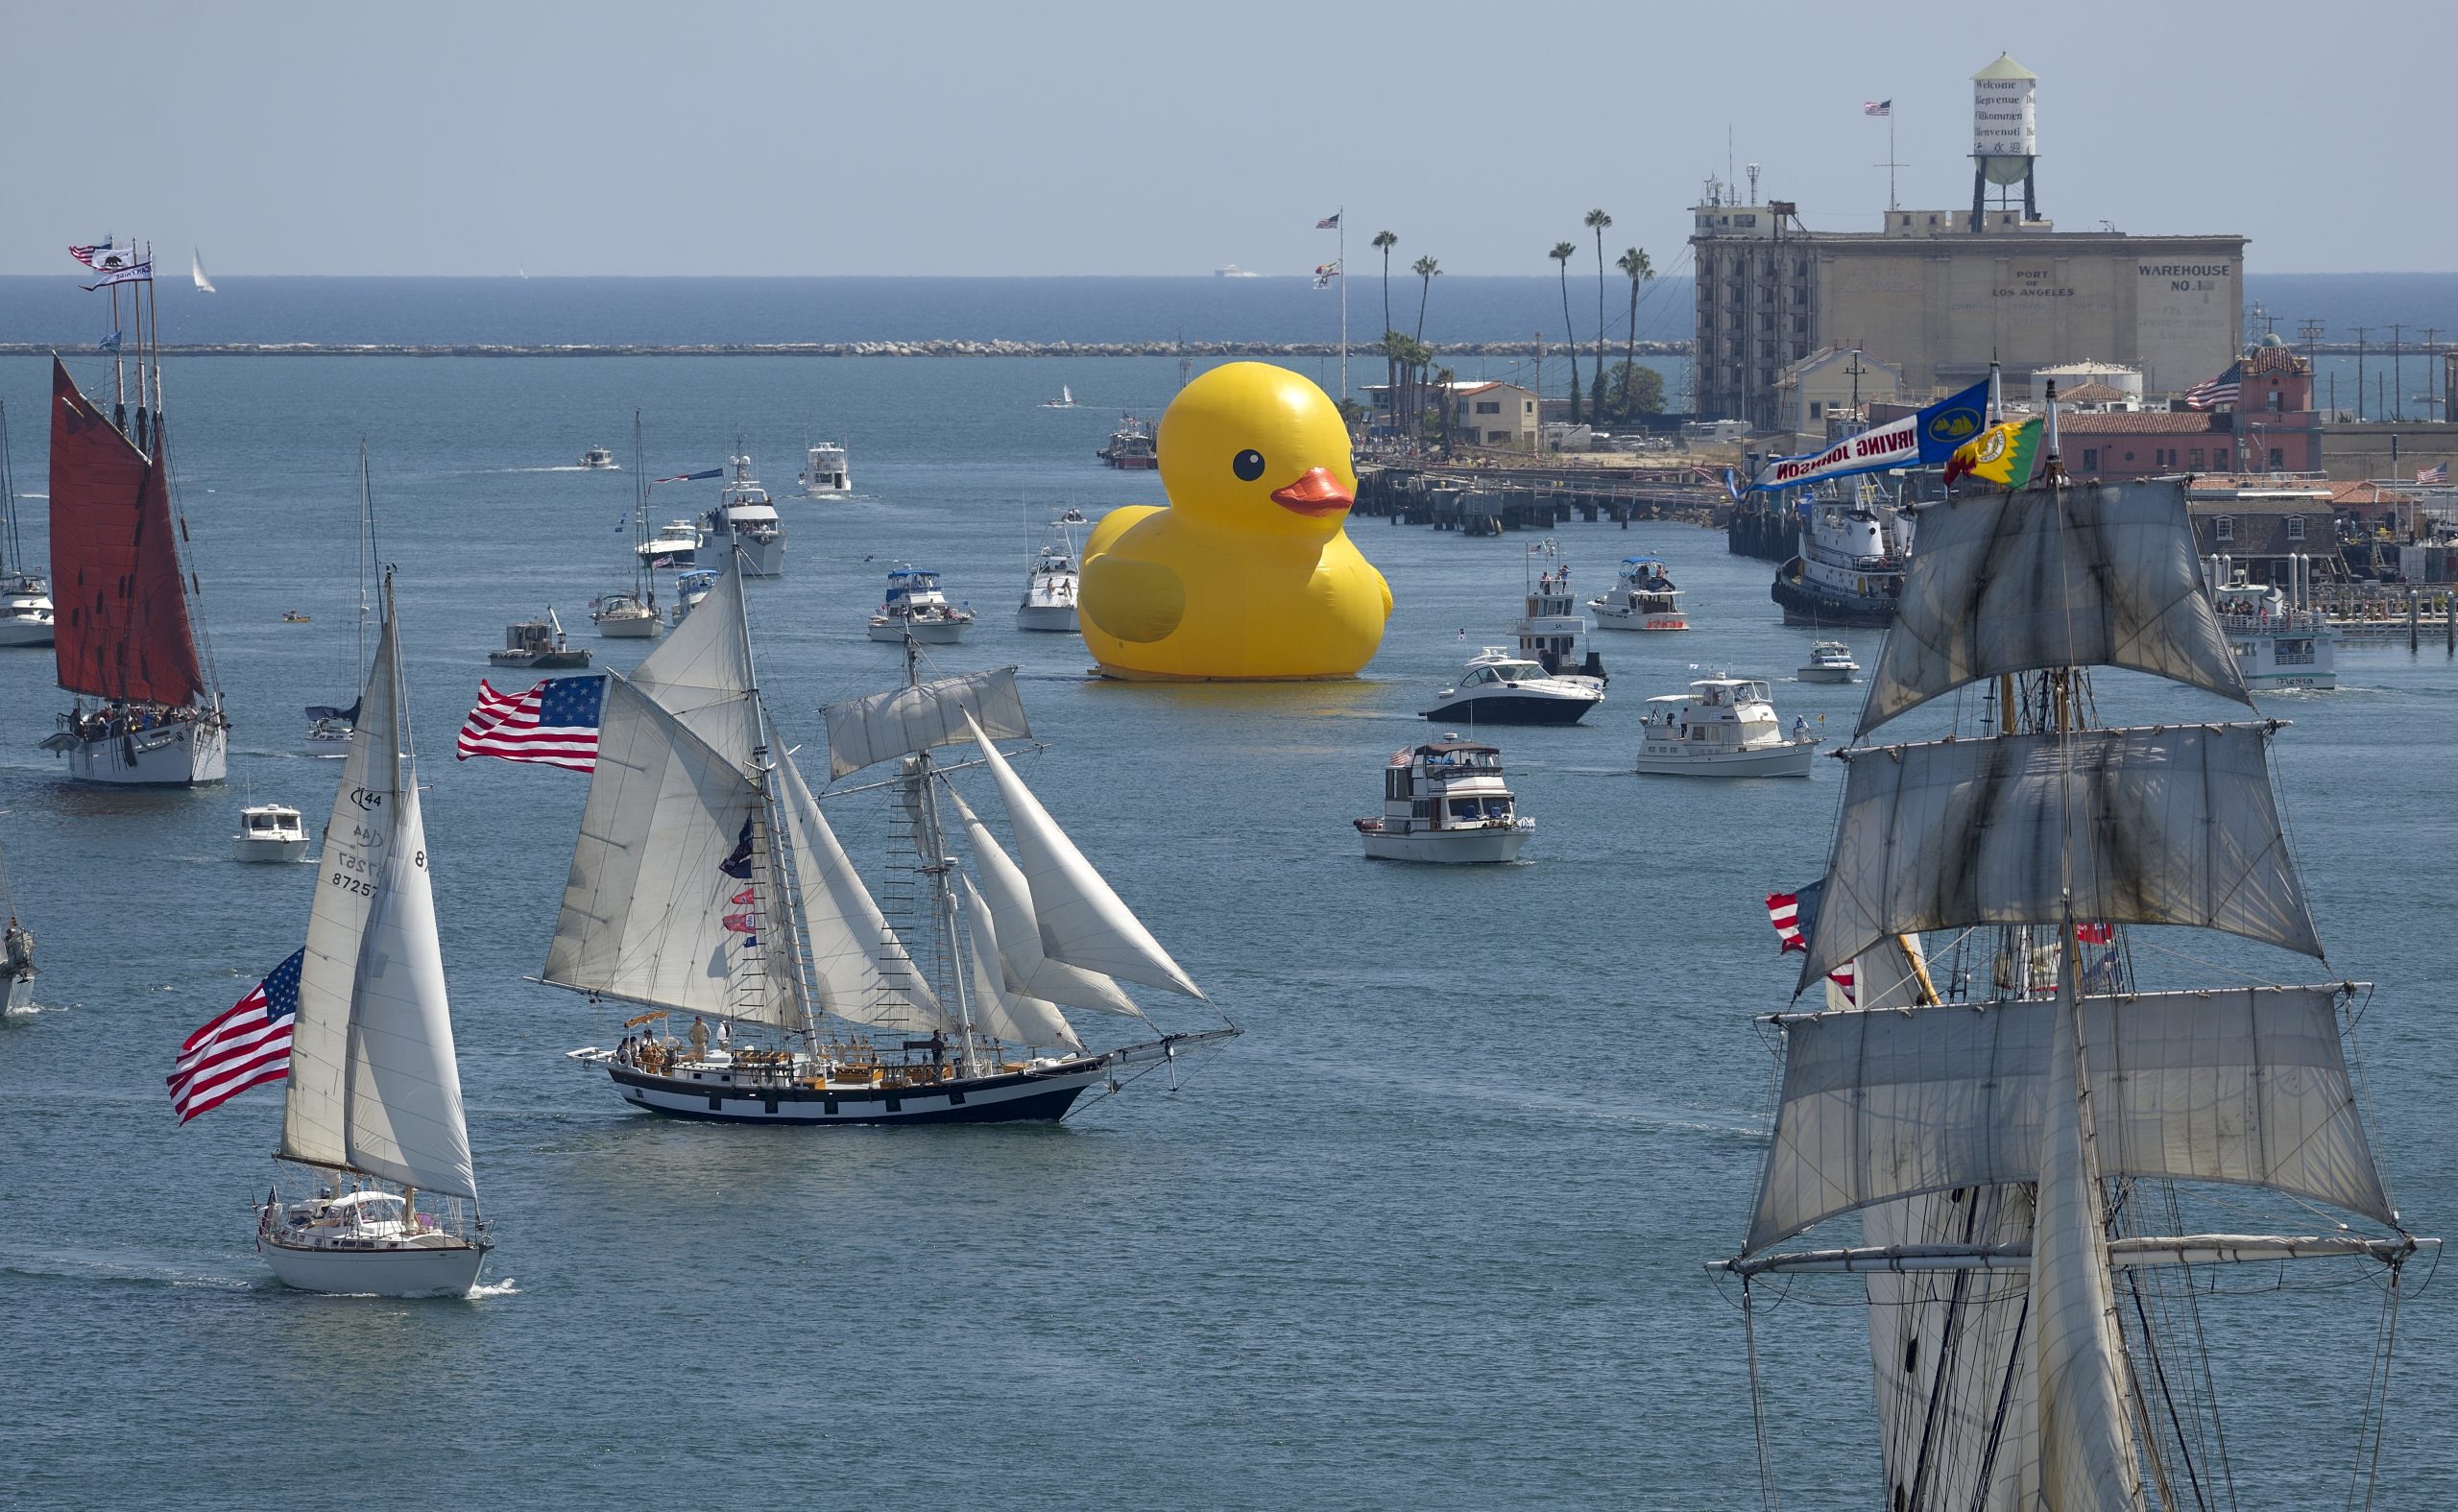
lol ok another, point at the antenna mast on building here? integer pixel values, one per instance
(2004, 133)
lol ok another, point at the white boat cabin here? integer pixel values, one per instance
(1444, 785)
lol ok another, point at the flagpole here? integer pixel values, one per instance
(1343, 269)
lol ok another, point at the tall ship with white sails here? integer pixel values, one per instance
(147, 709)
(707, 890)
(372, 1114)
(2056, 1165)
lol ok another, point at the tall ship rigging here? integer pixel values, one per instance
(2052, 1170)
(707, 890)
(147, 708)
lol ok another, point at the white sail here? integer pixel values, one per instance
(403, 1092)
(860, 970)
(196, 271)
(644, 907)
(1083, 921)
(702, 674)
(357, 840)
(2100, 576)
(1011, 911)
(2245, 1086)
(2153, 826)
(1017, 1017)
(909, 719)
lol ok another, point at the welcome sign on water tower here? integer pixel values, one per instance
(2005, 123)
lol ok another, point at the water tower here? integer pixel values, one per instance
(2005, 134)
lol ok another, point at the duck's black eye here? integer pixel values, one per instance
(1249, 465)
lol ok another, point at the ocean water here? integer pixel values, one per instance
(1430, 1233)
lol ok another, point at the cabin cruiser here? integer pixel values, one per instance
(1051, 580)
(1850, 567)
(1445, 801)
(689, 589)
(916, 610)
(1829, 661)
(1498, 688)
(1549, 633)
(597, 459)
(1131, 446)
(1723, 727)
(1642, 597)
(626, 617)
(676, 543)
(25, 610)
(2279, 641)
(538, 643)
(269, 832)
(825, 472)
(746, 519)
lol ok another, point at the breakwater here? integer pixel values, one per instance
(1358, 352)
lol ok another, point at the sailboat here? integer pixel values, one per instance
(196, 271)
(329, 725)
(632, 616)
(1066, 400)
(707, 885)
(25, 599)
(2029, 1160)
(373, 1112)
(128, 638)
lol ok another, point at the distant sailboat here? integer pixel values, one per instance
(1066, 400)
(196, 271)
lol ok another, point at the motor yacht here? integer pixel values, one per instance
(1829, 661)
(1050, 582)
(676, 543)
(597, 459)
(2279, 642)
(916, 610)
(745, 520)
(1498, 688)
(269, 832)
(1549, 631)
(1723, 727)
(1445, 801)
(825, 472)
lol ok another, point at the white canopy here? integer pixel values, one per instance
(909, 719)
(2086, 576)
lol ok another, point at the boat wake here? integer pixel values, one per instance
(122, 1270)
(487, 1289)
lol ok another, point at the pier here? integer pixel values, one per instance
(1493, 502)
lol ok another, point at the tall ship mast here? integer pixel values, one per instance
(2042, 1165)
(147, 709)
(707, 890)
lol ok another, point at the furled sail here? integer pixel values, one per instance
(121, 627)
(2097, 576)
(702, 674)
(859, 968)
(358, 840)
(907, 719)
(1011, 912)
(2245, 1085)
(645, 906)
(403, 1089)
(1083, 921)
(2172, 825)
(1017, 1017)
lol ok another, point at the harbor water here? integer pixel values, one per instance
(1430, 1233)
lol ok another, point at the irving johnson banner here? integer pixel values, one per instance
(1930, 436)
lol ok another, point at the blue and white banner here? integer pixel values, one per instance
(1930, 436)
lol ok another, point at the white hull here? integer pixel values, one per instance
(2313, 662)
(1823, 675)
(17, 993)
(761, 558)
(20, 630)
(1460, 847)
(1792, 759)
(630, 627)
(928, 632)
(1624, 619)
(384, 1269)
(269, 852)
(1046, 617)
(331, 746)
(823, 490)
(185, 754)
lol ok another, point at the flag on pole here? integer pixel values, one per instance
(1329, 222)
(1793, 914)
(2000, 454)
(737, 863)
(1877, 107)
(246, 1046)
(109, 342)
(556, 723)
(133, 272)
(2221, 390)
(104, 257)
(2433, 476)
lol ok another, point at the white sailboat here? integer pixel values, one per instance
(707, 883)
(633, 616)
(329, 724)
(373, 1112)
(196, 271)
(2032, 1166)
(25, 599)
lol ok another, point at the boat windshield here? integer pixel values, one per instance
(1518, 671)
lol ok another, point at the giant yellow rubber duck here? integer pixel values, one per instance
(1248, 575)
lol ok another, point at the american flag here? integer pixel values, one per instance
(555, 722)
(1329, 222)
(2221, 390)
(1877, 107)
(246, 1046)
(1786, 910)
(106, 257)
(2433, 475)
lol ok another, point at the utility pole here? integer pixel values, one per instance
(2433, 397)
(2398, 370)
(2361, 333)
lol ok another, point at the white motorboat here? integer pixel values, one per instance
(689, 589)
(1446, 800)
(538, 643)
(1066, 400)
(1642, 597)
(915, 609)
(1051, 580)
(1723, 727)
(1549, 631)
(745, 521)
(825, 472)
(25, 599)
(269, 832)
(676, 543)
(632, 616)
(2280, 642)
(372, 1114)
(597, 459)
(1829, 661)
(1498, 688)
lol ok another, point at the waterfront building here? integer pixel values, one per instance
(1831, 382)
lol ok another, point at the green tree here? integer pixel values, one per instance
(1443, 380)
(1384, 242)
(1634, 263)
(1563, 254)
(1599, 221)
(1636, 391)
(1427, 271)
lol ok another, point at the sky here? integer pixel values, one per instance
(745, 137)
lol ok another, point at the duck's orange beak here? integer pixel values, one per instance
(1315, 495)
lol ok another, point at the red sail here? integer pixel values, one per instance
(121, 620)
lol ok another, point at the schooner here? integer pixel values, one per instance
(707, 887)
(2025, 1132)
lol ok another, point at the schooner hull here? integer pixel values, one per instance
(186, 753)
(1016, 1098)
(380, 1270)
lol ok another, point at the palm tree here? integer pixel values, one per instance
(1598, 221)
(1633, 262)
(1427, 271)
(1384, 242)
(1563, 254)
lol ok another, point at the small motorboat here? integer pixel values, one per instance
(269, 832)
(1051, 583)
(916, 610)
(1829, 661)
(676, 543)
(1642, 597)
(538, 643)
(1550, 633)
(597, 459)
(1498, 688)
(1723, 727)
(1446, 800)
(689, 589)
(292, 616)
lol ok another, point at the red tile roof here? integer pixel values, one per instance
(2146, 423)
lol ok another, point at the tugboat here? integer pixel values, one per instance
(1829, 661)
(270, 833)
(538, 643)
(1050, 582)
(1723, 727)
(1131, 446)
(1549, 633)
(1642, 597)
(916, 610)
(597, 459)
(1498, 688)
(1850, 566)
(1445, 801)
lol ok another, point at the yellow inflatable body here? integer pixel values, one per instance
(1248, 575)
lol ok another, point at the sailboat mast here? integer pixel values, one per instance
(936, 864)
(9, 548)
(763, 781)
(647, 590)
(366, 526)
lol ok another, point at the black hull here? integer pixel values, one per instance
(1804, 604)
(1471, 712)
(986, 1099)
